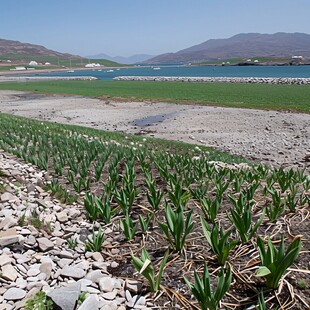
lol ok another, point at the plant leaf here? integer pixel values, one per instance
(262, 271)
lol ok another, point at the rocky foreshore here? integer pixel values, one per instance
(206, 79)
(35, 252)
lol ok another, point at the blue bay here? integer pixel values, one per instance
(195, 71)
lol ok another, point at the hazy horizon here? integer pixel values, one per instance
(123, 28)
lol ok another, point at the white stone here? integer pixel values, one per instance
(66, 254)
(8, 237)
(97, 257)
(46, 268)
(6, 212)
(84, 284)
(91, 302)
(106, 284)
(25, 231)
(64, 262)
(62, 217)
(76, 273)
(9, 272)
(14, 293)
(94, 275)
(32, 272)
(5, 259)
(7, 223)
(8, 197)
(45, 244)
(109, 295)
(66, 297)
(132, 285)
(21, 283)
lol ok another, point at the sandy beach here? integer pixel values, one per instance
(275, 138)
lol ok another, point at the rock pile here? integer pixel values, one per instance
(35, 254)
(244, 80)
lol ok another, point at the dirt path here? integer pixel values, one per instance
(276, 138)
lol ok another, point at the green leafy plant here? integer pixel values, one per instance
(95, 243)
(53, 186)
(178, 196)
(39, 302)
(276, 208)
(145, 267)
(128, 227)
(261, 302)
(243, 223)
(35, 221)
(21, 221)
(145, 222)
(72, 243)
(82, 298)
(241, 203)
(284, 178)
(154, 196)
(207, 298)
(302, 284)
(210, 208)
(97, 208)
(2, 173)
(218, 241)
(275, 262)
(91, 206)
(290, 200)
(177, 228)
(2, 188)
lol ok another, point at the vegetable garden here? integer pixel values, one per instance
(197, 233)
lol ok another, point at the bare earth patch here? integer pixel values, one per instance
(275, 138)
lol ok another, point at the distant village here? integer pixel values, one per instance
(294, 61)
(33, 64)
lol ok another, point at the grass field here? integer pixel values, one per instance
(256, 96)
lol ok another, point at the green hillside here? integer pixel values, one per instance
(74, 61)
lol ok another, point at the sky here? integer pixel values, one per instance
(128, 27)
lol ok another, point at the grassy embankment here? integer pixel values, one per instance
(56, 62)
(256, 96)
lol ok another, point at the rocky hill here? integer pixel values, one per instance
(9, 47)
(242, 46)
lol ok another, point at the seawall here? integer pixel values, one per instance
(245, 80)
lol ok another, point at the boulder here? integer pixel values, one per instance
(66, 297)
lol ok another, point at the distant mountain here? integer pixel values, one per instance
(9, 47)
(124, 60)
(244, 45)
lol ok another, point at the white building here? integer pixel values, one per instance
(92, 65)
(33, 63)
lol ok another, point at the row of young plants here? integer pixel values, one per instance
(171, 193)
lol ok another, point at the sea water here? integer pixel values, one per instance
(194, 71)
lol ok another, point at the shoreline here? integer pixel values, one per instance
(39, 71)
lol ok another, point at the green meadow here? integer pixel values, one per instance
(255, 96)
